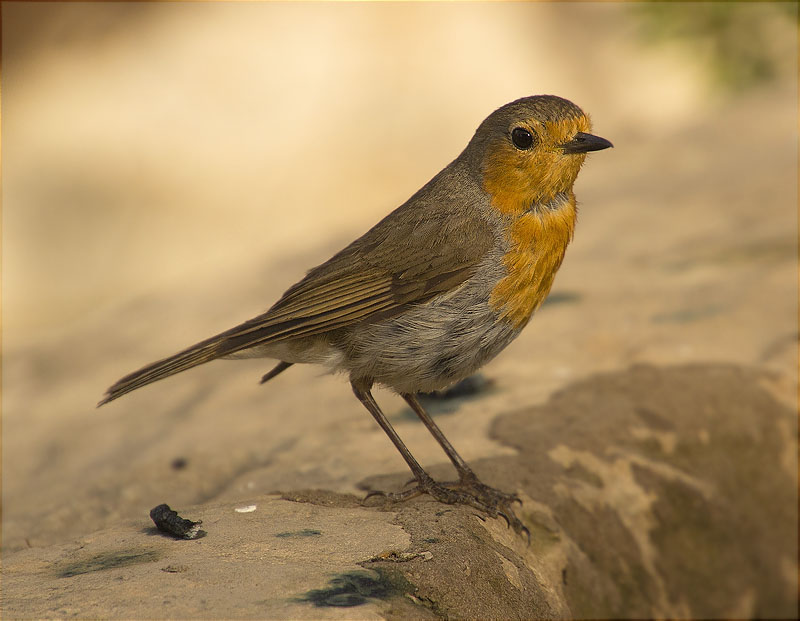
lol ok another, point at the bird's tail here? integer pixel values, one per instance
(195, 355)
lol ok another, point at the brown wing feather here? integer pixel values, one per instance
(393, 265)
(400, 261)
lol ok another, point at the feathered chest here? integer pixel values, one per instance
(537, 241)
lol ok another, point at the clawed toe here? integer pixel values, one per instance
(512, 521)
(372, 493)
(489, 501)
(394, 496)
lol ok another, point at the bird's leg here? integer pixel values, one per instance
(498, 501)
(362, 392)
(465, 473)
(425, 484)
(468, 491)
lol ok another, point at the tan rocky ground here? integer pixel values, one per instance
(167, 173)
(650, 492)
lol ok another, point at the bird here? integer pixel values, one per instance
(434, 290)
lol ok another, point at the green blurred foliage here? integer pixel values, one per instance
(736, 41)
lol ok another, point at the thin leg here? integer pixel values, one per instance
(425, 484)
(365, 396)
(464, 471)
(467, 491)
(467, 479)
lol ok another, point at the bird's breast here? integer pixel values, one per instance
(537, 239)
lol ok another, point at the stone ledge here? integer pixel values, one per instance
(648, 493)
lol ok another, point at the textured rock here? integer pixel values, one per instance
(648, 493)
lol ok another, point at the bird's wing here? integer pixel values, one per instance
(395, 264)
(405, 259)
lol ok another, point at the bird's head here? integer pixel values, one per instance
(531, 150)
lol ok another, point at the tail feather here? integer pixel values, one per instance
(277, 370)
(202, 352)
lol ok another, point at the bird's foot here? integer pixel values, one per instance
(470, 483)
(466, 491)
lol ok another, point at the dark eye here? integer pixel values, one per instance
(521, 138)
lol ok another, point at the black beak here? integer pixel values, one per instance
(583, 143)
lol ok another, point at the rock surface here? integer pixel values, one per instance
(656, 492)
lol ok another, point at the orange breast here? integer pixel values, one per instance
(538, 241)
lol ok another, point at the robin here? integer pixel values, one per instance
(437, 288)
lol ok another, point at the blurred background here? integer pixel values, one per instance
(170, 168)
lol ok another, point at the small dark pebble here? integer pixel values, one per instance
(168, 521)
(179, 463)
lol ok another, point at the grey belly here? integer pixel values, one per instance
(428, 346)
